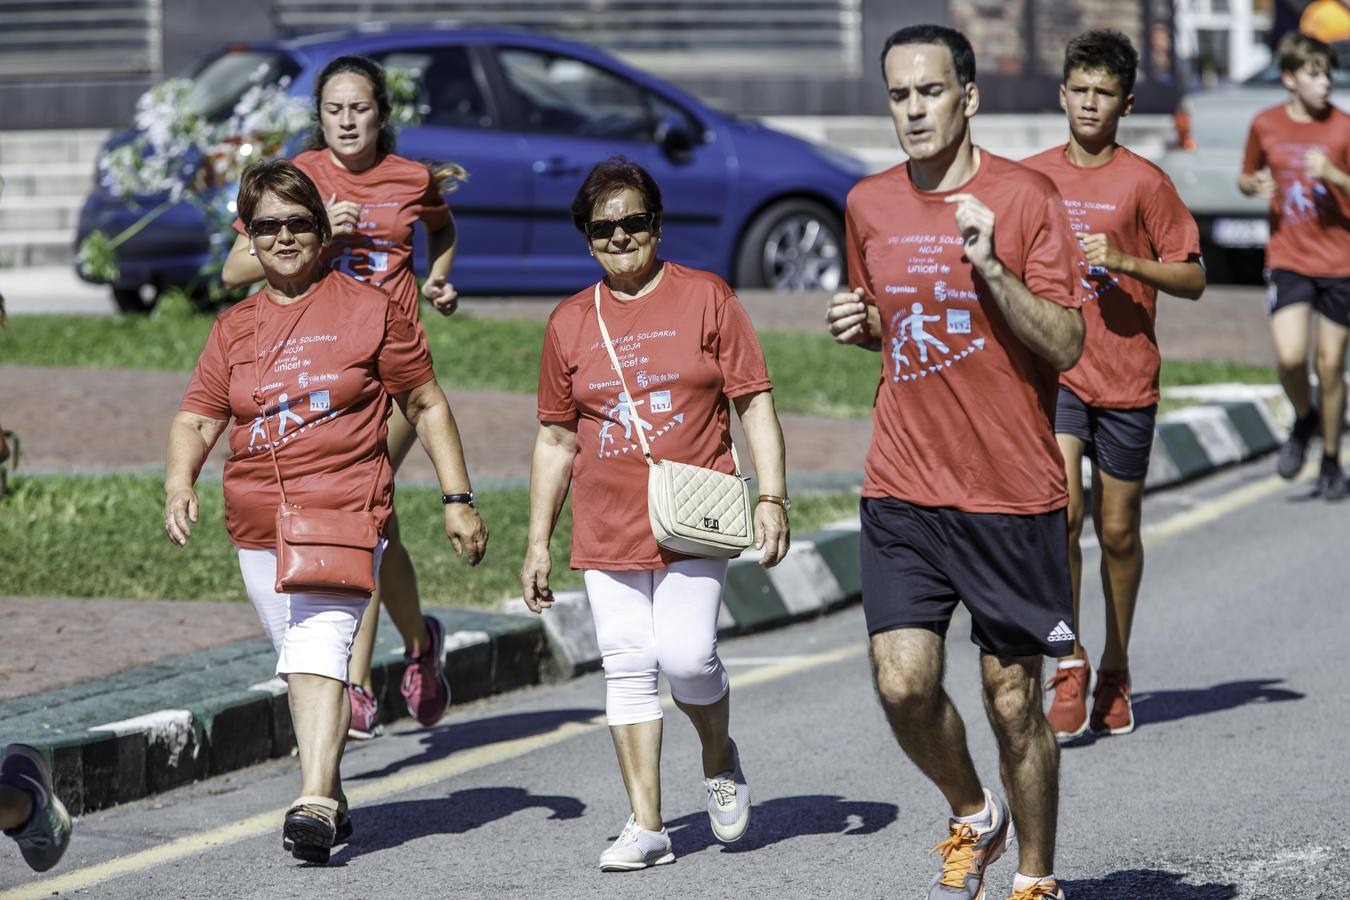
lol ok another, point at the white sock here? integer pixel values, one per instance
(1072, 663)
(982, 820)
(1022, 882)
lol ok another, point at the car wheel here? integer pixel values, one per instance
(793, 245)
(134, 300)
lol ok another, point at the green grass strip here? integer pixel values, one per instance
(811, 375)
(102, 536)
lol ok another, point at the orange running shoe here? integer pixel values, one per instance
(1112, 712)
(1041, 890)
(1068, 713)
(967, 853)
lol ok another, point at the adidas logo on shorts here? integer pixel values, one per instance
(1061, 632)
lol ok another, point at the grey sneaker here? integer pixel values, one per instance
(637, 848)
(967, 853)
(44, 837)
(1295, 447)
(729, 801)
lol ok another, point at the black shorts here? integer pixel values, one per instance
(1330, 297)
(1011, 572)
(1118, 441)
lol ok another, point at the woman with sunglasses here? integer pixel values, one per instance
(302, 375)
(373, 199)
(686, 347)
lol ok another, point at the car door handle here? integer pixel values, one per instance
(556, 167)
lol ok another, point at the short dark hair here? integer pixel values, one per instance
(1296, 50)
(607, 178)
(963, 55)
(1105, 50)
(373, 73)
(283, 178)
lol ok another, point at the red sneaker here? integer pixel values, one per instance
(424, 685)
(1112, 712)
(365, 722)
(1068, 714)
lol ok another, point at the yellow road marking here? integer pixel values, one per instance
(397, 783)
(1216, 509)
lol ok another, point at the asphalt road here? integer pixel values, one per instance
(1235, 785)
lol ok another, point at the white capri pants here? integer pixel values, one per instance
(658, 620)
(312, 633)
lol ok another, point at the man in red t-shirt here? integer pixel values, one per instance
(962, 265)
(1298, 155)
(1139, 238)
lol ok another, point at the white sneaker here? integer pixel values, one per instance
(637, 848)
(729, 801)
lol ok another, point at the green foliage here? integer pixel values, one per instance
(102, 536)
(97, 258)
(1176, 373)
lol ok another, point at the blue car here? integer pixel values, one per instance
(528, 115)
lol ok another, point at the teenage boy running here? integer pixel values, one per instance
(1298, 154)
(1138, 238)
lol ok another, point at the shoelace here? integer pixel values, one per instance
(958, 855)
(629, 835)
(1061, 676)
(724, 791)
(1038, 891)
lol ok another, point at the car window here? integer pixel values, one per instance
(447, 91)
(218, 83)
(563, 95)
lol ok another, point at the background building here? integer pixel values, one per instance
(83, 63)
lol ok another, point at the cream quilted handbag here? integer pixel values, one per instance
(693, 510)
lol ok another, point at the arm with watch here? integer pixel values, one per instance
(429, 412)
(764, 434)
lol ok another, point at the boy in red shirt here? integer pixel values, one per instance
(1138, 238)
(1298, 155)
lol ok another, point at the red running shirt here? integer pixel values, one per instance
(964, 411)
(395, 194)
(684, 348)
(329, 364)
(1309, 219)
(1135, 205)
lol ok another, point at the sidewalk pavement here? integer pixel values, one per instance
(142, 716)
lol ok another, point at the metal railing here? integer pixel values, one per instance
(673, 37)
(79, 39)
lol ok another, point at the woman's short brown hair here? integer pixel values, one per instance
(609, 177)
(282, 178)
(1296, 50)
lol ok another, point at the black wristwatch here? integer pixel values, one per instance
(447, 499)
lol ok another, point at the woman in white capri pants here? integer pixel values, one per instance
(686, 346)
(323, 354)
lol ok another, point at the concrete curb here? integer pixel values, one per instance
(820, 572)
(180, 720)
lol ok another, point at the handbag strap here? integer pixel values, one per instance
(259, 399)
(632, 407)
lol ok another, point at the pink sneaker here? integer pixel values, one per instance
(365, 715)
(424, 685)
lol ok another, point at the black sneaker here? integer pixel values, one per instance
(43, 838)
(1296, 446)
(1331, 480)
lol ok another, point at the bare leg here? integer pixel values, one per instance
(397, 588)
(1071, 448)
(1331, 340)
(639, 750)
(711, 722)
(1290, 329)
(1028, 756)
(1119, 514)
(321, 713)
(907, 665)
(16, 807)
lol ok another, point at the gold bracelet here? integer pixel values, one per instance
(774, 498)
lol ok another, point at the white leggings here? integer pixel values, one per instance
(658, 619)
(312, 633)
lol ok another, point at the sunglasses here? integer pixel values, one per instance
(603, 229)
(272, 227)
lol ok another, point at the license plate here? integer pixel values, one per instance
(1241, 232)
